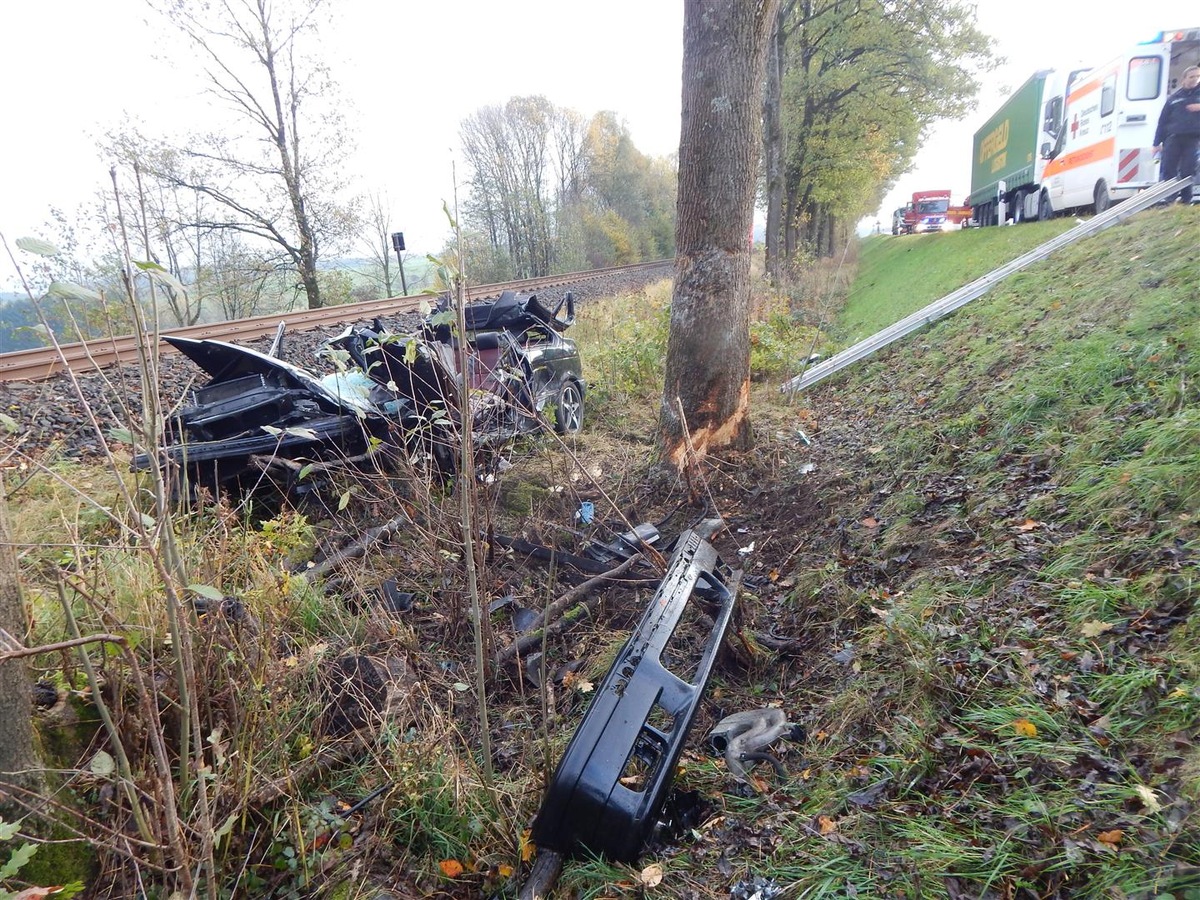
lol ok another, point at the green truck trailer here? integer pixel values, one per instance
(1007, 162)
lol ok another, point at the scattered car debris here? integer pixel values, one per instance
(45, 694)
(744, 736)
(596, 557)
(613, 779)
(756, 888)
(393, 600)
(624, 545)
(398, 393)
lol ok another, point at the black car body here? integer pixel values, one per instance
(395, 392)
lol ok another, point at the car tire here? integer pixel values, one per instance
(1103, 200)
(1045, 210)
(568, 409)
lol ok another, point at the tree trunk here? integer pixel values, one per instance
(708, 348)
(18, 763)
(773, 147)
(286, 133)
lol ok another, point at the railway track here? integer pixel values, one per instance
(42, 363)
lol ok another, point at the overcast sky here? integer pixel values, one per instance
(412, 71)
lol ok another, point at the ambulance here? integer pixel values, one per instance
(1105, 150)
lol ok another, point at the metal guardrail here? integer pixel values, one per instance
(980, 286)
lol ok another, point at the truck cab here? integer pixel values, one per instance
(931, 211)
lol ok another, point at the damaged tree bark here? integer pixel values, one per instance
(708, 351)
(19, 766)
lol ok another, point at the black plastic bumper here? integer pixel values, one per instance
(614, 777)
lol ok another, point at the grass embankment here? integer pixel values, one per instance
(899, 275)
(1009, 580)
(980, 582)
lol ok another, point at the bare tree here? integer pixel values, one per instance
(379, 241)
(551, 189)
(164, 218)
(509, 150)
(273, 178)
(242, 283)
(706, 393)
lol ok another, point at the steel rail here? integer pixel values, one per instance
(964, 295)
(43, 362)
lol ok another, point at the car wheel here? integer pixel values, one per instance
(1102, 199)
(1045, 210)
(568, 409)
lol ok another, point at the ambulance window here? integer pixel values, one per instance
(1052, 116)
(1108, 95)
(1145, 76)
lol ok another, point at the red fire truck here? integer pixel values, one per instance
(929, 211)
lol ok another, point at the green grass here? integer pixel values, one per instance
(899, 275)
(1019, 716)
(1045, 647)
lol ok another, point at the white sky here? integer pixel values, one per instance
(413, 70)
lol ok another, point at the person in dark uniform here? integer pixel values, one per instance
(1178, 132)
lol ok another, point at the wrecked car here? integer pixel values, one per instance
(393, 393)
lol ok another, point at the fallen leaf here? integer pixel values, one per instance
(870, 522)
(451, 868)
(528, 848)
(1112, 838)
(505, 870)
(1029, 525)
(651, 876)
(1149, 798)
(1025, 728)
(1095, 628)
(102, 764)
(826, 824)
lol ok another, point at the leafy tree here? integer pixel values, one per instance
(852, 88)
(508, 149)
(638, 189)
(550, 191)
(706, 391)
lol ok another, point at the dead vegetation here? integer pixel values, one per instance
(969, 573)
